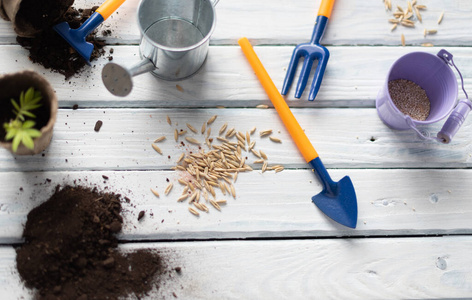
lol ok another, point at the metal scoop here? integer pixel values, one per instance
(310, 51)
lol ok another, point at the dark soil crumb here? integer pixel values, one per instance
(70, 250)
(75, 107)
(141, 215)
(98, 125)
(50, 50)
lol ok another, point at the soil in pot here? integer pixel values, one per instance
(50, 50)
(42, 14)
(70, 250)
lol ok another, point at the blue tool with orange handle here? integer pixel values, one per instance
(310, 51)
(76, 37)
(337, 200)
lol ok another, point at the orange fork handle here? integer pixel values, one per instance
(108, 7)
(326, 7)
(296, 132)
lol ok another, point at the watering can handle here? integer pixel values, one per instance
(326, 7)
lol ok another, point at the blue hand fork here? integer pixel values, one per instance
(310, 51)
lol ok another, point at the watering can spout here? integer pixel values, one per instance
(454, 121)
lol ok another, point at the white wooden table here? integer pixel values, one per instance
(413, 237)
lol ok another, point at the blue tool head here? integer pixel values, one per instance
(339, 204)
(76, 37)
(337, 200)
(310, 52)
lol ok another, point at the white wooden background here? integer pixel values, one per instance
(413, 237)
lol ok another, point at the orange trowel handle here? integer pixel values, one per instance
(326, 7)
(301, 140)
(108, 7)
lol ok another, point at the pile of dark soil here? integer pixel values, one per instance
(50, 50)
(70, 250)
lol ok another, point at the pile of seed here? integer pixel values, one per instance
(409, 98)
(408, 16)
(203, 172)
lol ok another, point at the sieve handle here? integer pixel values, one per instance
(454, 121)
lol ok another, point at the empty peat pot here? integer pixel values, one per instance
(433, 74)
(175, 36)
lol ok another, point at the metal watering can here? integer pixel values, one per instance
(175, 36)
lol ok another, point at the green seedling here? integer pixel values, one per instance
(21, 129)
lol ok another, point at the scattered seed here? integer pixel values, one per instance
(183, 197)
(176, 135)
(192, 140)
(403, 40)
(418, 15)
(159, 139)
(440, 18)
(393, 27)
(407, 23)
(182, 132)
(252, 130)
(212, 119)
(155, 192)
(262, 106)
(215, 205)
(220, 202)
(203, 128)
(265, 132)
(394, 21)
(264, 167)
(432, 31)
(191, 128)
(193, 211)
(168, 188)
(259, 161)
(275, 140)
(181, 89)
(223, 128)
(158, 150)
(168, 120)
(279, 169)
(420, 6)
(427, 45)
(181, 157)
(263, 155)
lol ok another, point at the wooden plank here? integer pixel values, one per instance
(275, 22)
(268, 205)
(386, 268)
(344, 138)
(353, 78)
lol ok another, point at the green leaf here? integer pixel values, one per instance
(29, 114)
(28, 124)
(27, 141)
(29, 95)
(10, 133)
(34, 133)
(16, 142)
(15, 105)
(22, 98)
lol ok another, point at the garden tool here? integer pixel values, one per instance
(76, 37)
(310, 51)
(337, 200)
